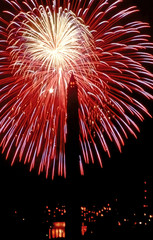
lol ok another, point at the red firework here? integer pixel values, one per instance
(41, 45)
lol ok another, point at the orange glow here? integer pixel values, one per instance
(83, 229)
(57, 233)
(58, 230)
(50, 234)
(53, 233)
(83, 208)
(119, 223)
(59, 224)
(145, 206)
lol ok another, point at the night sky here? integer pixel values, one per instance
(122, 173)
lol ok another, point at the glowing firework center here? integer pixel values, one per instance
(54, 43)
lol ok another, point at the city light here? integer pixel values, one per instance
(57, 230)
(105, 215)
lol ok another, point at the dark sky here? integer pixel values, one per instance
(122, 173)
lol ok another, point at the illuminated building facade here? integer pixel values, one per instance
(57, 230)
(54, 222)
(147, 201)
(96, 217)
(147, 204)
(140, 218)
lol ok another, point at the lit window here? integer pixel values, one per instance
(83, 229)
(50, 234)
(58, 230)
(60, 233)
(53, 233)
(119, 223)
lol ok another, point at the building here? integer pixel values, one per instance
(147, 204)
(139, 218)
(72, 142)
(57, 230)
(96, 217)
(73, 225)
(54, 221)
(148, 198)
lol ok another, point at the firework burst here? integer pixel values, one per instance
(41, 45)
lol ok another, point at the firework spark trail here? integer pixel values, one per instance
(41, 45)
